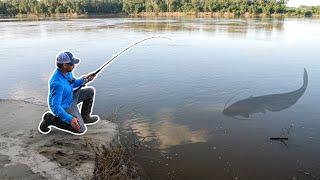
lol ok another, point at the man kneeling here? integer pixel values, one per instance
(63, 100)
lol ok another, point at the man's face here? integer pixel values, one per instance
(68, 67)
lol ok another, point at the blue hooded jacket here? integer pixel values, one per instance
(61, 93)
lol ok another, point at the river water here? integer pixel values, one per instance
(204, 105)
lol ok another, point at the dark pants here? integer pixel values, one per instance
(85, 95)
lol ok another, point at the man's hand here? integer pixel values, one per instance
(75, 124)
(90, 77)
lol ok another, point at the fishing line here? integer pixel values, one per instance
(115, 56)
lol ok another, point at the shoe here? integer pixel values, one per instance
(46, 122)
(90, 119)
(86, 111)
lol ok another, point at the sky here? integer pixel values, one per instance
(297, 3)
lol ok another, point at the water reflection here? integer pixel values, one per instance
(165, 131)
(272, 102)
(231, 27)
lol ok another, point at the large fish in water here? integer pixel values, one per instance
(272, 102)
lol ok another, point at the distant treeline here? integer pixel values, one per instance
(49, 7)
(236, 7)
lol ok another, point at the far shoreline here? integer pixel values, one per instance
(155, 15)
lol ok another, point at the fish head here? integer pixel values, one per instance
(235, 110)
(230, 111)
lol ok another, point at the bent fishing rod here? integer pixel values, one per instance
(115, 56)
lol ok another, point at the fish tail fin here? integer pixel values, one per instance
(305, 78)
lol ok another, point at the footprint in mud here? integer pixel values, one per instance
(68, 154)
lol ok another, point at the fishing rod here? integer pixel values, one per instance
(115, 56)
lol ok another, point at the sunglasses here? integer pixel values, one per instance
(70, 64)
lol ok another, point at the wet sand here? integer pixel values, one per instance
(27, 154)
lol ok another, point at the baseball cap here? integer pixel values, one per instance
(67, 57)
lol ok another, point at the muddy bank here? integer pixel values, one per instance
(24, 152)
